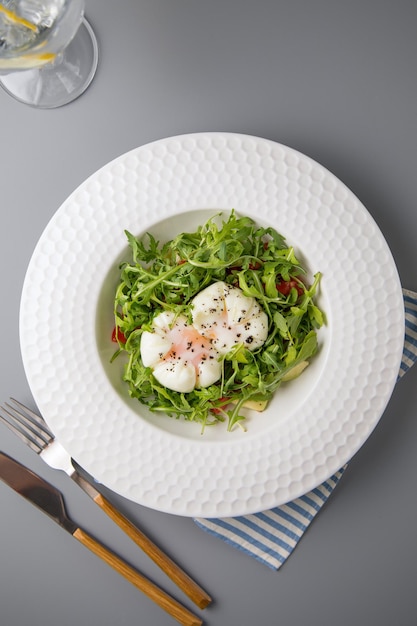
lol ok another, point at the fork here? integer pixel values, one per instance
(33, 430)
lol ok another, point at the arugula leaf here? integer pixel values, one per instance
(168, 276)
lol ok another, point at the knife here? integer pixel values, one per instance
(32, 429)
(47, 498)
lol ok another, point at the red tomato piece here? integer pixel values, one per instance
(218, 410)
(117, 335)
(285, 286)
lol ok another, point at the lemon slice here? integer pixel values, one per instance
(13, 17)
(27, 62)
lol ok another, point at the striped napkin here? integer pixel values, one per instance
(271, 536)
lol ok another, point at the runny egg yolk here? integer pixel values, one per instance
(185, 356)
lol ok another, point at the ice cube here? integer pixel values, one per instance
(43, 13)
(13, 36)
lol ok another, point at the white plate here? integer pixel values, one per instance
(312, 427)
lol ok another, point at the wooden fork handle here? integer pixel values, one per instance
(175, 573)
(165, 601)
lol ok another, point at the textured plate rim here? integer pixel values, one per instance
(232, 498)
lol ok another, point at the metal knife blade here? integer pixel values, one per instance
(36, 490)
(49, 499)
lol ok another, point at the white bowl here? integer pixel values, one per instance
(313, 425)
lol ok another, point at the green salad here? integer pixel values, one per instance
(165, 278)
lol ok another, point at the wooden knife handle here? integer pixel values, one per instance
(175, 573)
(165, 601)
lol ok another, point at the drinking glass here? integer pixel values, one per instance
(48, 51)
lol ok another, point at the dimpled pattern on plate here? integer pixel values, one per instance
(290, 448)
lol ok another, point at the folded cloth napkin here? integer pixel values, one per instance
(271, 536)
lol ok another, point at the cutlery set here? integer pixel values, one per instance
(33, 430)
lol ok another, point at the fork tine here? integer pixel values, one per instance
(32, 417)
(26, 427)
(6, 418)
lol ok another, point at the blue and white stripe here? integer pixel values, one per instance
(410, 344)
(271, 536)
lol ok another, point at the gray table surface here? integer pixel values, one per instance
(335, 80)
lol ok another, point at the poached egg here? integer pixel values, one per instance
(186, 356)
(227, 317)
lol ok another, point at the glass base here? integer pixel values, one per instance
(62, 81)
